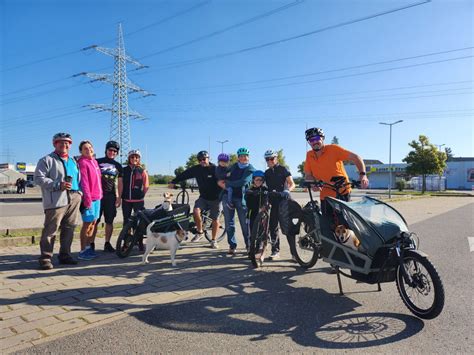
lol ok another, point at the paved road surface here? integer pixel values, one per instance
(283, 309)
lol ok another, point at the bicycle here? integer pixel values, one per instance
(260, 233)
(388, 253)
(183, 198)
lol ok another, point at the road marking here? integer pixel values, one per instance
(471, 243)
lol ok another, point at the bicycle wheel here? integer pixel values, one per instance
(182, 198)
(259, 239)
(424, 296)
(307, 251)
(126, 240)
(207, 226)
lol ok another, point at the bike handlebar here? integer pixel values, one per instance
(336, 186)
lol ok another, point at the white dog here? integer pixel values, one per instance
(347, 237)
(169, 240)
(167, 203)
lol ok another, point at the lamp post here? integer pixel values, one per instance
(390, 155)
(222, 145)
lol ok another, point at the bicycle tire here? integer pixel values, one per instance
(424, 284)
(182, 198)
(259, 239)
(207, 226)
(306, 251)
(126, 240)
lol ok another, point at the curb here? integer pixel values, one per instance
(20, 199)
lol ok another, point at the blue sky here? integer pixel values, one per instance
(260, 98)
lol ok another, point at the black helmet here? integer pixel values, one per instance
(112, 144)
(202, 154)
(315, 131)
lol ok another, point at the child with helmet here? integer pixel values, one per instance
(254, 196)
(222, 173)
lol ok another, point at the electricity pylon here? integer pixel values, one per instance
(119, 124)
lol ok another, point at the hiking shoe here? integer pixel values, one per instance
(197, 237)
(275, 255)
(45, 264)
(67, 261)
(85, 255)
(109, 248)
(214, 245)
(231, 252)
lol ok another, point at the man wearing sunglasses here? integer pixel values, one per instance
(278, 179)
(326, 162)
(58, 176)
(205, 175)
(111, 175)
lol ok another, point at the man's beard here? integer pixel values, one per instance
(317, 148)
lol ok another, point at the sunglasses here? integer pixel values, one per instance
(258, 179)
(315, 139)
(268, 159)
(112, 150)
(202, 159)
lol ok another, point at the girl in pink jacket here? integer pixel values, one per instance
(91, 187)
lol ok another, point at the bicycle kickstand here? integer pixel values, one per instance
(339, 282)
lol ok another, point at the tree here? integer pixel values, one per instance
(449, 154)
(281, 159)
(335, 140)
(301, 168)
(424, 159)
(192, 160)
(233, 159)
(178, 170)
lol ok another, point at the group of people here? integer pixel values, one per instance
(89, 186)
(99, 187)
(20, 184)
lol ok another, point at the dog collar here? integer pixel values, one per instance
(179, 241)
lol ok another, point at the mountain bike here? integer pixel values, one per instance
(260, 233)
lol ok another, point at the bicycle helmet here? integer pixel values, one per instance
(311, 132)
(223, 157)
(243, 151)
(270, 154)
(62, 137)
(258, 173)
(112, 144)
(134, 152)
(202, 155)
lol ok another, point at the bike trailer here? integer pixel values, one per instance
(167, 221)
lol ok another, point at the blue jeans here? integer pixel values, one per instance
(229, 216)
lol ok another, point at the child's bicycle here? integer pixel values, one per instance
(182, 198)
(260, 233)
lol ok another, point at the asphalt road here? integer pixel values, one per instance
(284, 309)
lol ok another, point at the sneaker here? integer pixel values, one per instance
(197, 237)
(92, 253)
(85, 255)
(109, 248)
(45, 264)
(275, 255)
(67, 261)
(231, 252)
(214, 245)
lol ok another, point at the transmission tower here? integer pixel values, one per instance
(120, 120)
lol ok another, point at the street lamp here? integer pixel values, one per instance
(390, 156)
(222, 145)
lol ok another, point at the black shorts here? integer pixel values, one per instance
(108, 209)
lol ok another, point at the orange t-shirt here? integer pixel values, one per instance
(329, 164)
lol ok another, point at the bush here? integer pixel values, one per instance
(400, 185)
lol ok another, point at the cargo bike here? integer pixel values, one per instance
(388, 251)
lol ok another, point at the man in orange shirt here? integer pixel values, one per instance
(324, 162)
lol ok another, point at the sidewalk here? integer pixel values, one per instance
(39, 306)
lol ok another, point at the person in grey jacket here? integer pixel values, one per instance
(58, 176)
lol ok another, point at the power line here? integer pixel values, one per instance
(225, 29)
(332, 70)
(287, 39)
(334, 77)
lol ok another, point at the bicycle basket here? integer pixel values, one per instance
(173, 220)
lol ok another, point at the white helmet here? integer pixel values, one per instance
(134, 152)
(270, 154)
